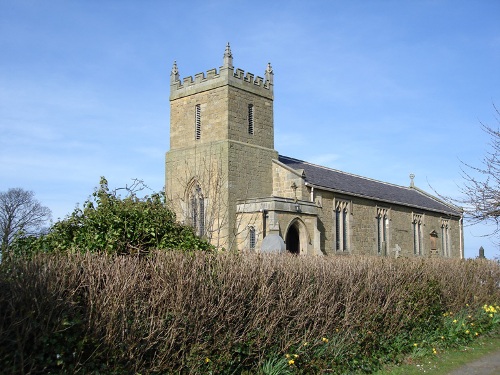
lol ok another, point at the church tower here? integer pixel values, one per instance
(221, 147)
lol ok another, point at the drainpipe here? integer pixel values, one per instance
(461, 226)
(264, 214)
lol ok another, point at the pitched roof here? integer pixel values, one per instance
(346, 183)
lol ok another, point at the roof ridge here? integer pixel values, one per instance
(350, 174)
(370, 188)
(437, 199)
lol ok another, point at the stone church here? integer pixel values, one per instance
(224, 177)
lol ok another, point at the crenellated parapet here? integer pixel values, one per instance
(226, 75)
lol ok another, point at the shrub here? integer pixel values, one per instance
(178, 312)
(108, 223)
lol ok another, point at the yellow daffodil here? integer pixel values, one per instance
(291, 362)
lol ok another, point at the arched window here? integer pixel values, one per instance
(341, 226)
(417, 234)
(197, 209)
(445, 237)
(382, 227)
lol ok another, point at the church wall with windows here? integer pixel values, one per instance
(384, 229)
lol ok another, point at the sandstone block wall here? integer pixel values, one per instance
(288, 183)
(363, 228)
(214, 114)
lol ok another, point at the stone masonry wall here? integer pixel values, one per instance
(263, 134)
(250, 169)
(284, 179)
(214, 115)
(207, 164)
(363, 227)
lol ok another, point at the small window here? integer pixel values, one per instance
(250, 119)
(197, 125)
(252, 239)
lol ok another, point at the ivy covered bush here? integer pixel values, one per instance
(114, 225)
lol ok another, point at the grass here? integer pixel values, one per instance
(444, 363)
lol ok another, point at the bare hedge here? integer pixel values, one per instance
(169, 311)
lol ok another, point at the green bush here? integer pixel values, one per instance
(108, 223)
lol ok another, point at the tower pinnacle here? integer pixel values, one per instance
(174, 74)
(269, 74)
(228, 57)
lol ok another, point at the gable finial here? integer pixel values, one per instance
(412, 183)
(174, 74)
(228, 57)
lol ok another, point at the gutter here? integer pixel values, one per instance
(379, 200)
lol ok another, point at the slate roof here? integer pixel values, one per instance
(346, 183)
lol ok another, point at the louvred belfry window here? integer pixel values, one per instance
(197, 125)
(250, 119)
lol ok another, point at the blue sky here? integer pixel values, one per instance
(377, 88)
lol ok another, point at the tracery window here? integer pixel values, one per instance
(382, 229)
(197, 209)
(342, 226)
(417, 234)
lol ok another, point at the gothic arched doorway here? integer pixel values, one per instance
(292, 240)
